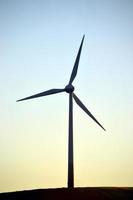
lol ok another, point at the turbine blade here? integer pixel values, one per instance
(81, 105)
(75, 68)
(48, 92)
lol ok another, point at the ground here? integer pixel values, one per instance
(91, 193)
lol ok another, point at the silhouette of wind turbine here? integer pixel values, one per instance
(69, 89)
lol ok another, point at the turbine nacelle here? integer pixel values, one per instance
(69, 88)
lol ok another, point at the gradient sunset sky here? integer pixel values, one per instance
(39, 40)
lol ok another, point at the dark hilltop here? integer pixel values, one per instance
(88, 193)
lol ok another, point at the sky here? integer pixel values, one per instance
(39, 40)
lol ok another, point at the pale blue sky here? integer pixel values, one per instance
(38, 44)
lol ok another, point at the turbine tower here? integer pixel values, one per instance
(70, 90)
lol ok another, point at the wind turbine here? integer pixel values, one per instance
(70, 90)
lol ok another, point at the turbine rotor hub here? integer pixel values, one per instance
(69, 88)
